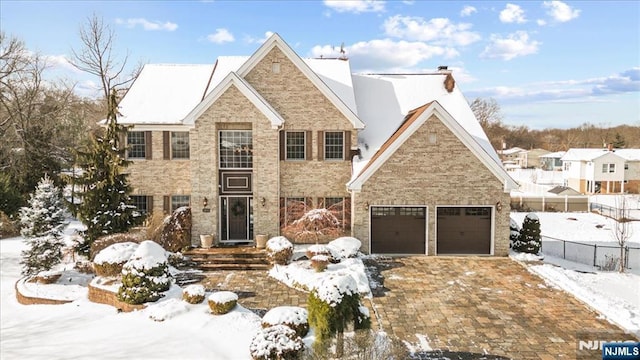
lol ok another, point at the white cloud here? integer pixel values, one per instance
(221, 36)
(252, 40)
(437, 30)
(541, 22)
(60, 62)
(514, 45)
(385, 54)
(512, 14)
(468, 10)
(560, 11)
(355, 6)
(148, 25)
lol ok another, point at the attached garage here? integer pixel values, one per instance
(463, 230)
(398, 230)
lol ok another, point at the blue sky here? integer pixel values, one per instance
(547, 63)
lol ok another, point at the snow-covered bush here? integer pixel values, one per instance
(109, 261)
(221, 302)
(529, 240)
(320, 262)
(42, 223)
(315, 225)
(277, 342)
(514, 232)
(146, 275)
(295, 317)
(344, 247)
(318, 249)
(104, 242)
(335, 303)
(193, 294)
(279, 250)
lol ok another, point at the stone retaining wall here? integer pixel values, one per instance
(103, 296)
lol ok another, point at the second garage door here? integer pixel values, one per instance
(398, 230)
(463, 230)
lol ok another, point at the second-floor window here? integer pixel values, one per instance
(180, 145)
(334, 145)
(236, 149)
(136, 145)
(295, 145)
(608, 168)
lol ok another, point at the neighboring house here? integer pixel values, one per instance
(533, 157)
(247, 139)
(514, 158)
(552, 161)
(605, 171)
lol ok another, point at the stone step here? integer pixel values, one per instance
(230, 260)
(219, 267)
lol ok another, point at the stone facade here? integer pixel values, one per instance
(419, 173)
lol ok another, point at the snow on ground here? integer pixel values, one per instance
(579, 226)
(616, 296)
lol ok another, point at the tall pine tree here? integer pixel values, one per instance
(105, 206)
(42, 225)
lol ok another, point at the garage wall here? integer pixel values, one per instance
(445, 173)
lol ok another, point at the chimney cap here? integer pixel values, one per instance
(443, 67)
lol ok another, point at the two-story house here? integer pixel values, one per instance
(246, 138)
(605, 171)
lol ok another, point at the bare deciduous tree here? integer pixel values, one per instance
(97, 57)
(487, 111)
(622, 227)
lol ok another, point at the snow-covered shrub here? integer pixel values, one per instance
(529, 240)
(176, 231)
(109, 261)
(279, 250)
(320, 262)
(104, 242)
(335, 303)
(295, 317)
(314, 225)
(42, 223)
(277, 342)
(514, 232)
(318, 249)
(344, 247)
(221, 302)
(146, 275)
(193, 294)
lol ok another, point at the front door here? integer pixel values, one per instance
(236, 218)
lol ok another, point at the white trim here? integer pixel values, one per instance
(436, 109)
(493, 229)
(275, 40)
(426, 224)
(256, 99)
(286, 153)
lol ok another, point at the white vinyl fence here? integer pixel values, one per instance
(601, 255)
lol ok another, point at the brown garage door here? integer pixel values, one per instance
(463, 230)
(398, 230)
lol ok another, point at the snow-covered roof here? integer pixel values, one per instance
(554, 155)
(585, 154)
(513, 150)
(629, 154)
(164, 93)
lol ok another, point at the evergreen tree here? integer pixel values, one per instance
(529, 240)
(619, 142)
(43, 222)
(105, 206)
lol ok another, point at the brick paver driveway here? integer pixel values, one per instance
(480, 305)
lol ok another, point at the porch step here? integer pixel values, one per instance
(229, 258)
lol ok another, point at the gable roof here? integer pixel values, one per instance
(554, 155)
(232, 79)
(276, 41)
(585, 154)
(412, 122)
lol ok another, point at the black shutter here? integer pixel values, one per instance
(283, 144)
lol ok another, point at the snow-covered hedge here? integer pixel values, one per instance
(193, 294)
(222, 302)
(344, 247)
(279, 250)
(295, 317)
(146, 275)
(110, 261)
(320, 262)
(275, 343)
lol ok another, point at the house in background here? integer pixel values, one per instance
(245, 140)
(514, 157)
(604, 171)
(552, 161)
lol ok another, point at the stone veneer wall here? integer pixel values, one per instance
(446, 173)
(158, 177)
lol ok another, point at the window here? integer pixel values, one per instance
(626, 166)
(141, 204)
(295, 145)
(178, 201)
(136, 145)
(608, 168)
(333, 145)
(180, 145)
(566, 165)
(236, 149)
(292, 209)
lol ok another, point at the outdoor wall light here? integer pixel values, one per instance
(205, 202)
(263, 201)
(499, 206)
(366, 206)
